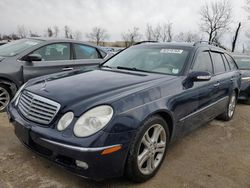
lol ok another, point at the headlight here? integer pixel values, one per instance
(93, 121)
(15, 98)
(65, 121)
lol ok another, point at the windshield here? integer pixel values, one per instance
(156, 60)
(16, 47)
(243, 62)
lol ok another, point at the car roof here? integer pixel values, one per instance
(164, 44)
(53, 39)
(186, 45)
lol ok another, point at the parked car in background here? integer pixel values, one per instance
(243, 62)
(28, 58)
(107, 49)
(3, 42)
(120, 118)
(112, 50)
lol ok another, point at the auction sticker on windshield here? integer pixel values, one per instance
(171, 51)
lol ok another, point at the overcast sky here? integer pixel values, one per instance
(116, 16)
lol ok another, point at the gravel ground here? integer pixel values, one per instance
(216, 155)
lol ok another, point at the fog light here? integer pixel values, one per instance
(82, 164)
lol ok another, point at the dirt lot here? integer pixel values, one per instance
(216, 155)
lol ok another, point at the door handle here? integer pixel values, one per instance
(67, 69)
(217, 84)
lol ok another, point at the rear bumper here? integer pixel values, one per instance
(244, 90)
(65, 154)
(243, 96)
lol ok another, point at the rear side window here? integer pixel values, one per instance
(85, 52)
(203, 63)
(231, 62)
(243, 62)
(219, 66)
(226, 63)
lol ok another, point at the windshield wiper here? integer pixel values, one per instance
(132, 69)
(106, 66)
(125, 68)
(128, 68)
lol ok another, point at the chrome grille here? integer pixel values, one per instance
(37, 109)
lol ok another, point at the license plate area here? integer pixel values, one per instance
(22, 133)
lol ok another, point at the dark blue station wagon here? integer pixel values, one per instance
(119, 119)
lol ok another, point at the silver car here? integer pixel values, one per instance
(28, 58)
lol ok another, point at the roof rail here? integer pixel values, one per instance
(145, 41)
(211, 43)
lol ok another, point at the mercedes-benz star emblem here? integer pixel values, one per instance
(44, 84)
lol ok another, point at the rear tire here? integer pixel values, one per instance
(5, 97)
(229, 113)
(147, 150)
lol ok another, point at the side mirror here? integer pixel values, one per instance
(196, 76)
(32, 57)
(199, 76)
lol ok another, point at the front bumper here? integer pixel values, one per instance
(65, 154)
(245, 90)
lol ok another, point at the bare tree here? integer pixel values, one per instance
(77, 35)
(33, 34)
(22, 31)
(97, 35)
(131, 36)
(243, 48)
(162, 32)
(167, 32)
(187, 37)
(157, 32)
(247, 7)
(49, 32)
(6, 37)
(56, 31)
(67, 31)
(149, 32)
(236, 37)
(14, 36)
(215, 17)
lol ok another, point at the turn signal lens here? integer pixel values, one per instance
(111, 150)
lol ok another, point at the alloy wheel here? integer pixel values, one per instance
(4, 98)
(232, 105)
(151, 149)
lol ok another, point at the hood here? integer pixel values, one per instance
(93, 86)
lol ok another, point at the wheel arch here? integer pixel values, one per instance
(167, 116)
(237, 91)
(10, 83)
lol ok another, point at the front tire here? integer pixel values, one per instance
(5, 97)
(147, 150)
(229, 113)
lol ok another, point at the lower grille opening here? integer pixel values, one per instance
(65, 160)
(42, 150)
